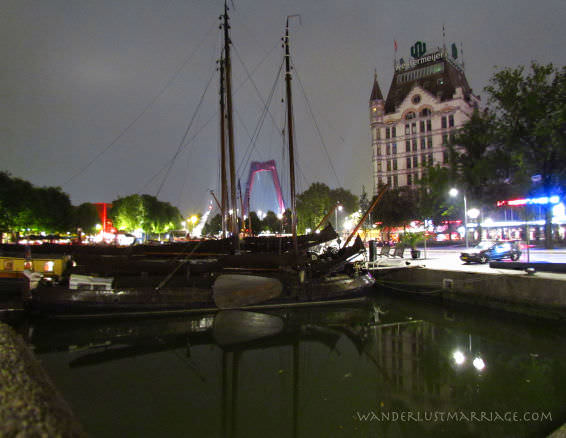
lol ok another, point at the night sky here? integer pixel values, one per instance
(96, 96)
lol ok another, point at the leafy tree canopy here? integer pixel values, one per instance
(314, 203)
(144, 212)
(24, 206)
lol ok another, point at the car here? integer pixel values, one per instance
(486, 251)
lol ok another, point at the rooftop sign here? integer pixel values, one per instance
(416, 62)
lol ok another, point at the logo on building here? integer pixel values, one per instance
(418, 49)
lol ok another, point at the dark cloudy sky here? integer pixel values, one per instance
(96, 96)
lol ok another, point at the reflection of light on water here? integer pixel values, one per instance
(459, 357)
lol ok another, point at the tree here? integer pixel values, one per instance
(26, 207)
(482, 168)
(345, 198)
(52, 210)
(160, 217)
(256, 223)
(364, 205)
(85, 217)
(213, 225)
(315, 202)
(271, 223)
(144, 212)
(127, 213)
(396, 208)
(312, 205)
(433, 194)
(531, 117)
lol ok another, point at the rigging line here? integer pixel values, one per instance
(181, 144)
(185, 180)
(317, 128)
(149, 105)
(195, 135)
(252, 145)
(253, 83)
(208, 121)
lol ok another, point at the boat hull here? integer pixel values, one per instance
(234, 291)
(60, 300)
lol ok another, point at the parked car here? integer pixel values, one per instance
(487, 251)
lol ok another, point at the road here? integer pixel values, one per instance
(449, 258)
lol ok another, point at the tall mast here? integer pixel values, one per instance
(290, 135)
(228, 70)
(223, 182)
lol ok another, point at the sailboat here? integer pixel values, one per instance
(231, 278)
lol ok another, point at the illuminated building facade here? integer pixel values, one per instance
(428, 100)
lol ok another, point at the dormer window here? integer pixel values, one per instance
(416, 99)
(410, 115)
(426, 112)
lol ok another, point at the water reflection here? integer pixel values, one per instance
(307, 372)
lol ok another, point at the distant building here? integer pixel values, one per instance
(429, 98)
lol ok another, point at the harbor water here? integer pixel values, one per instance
(387, 366)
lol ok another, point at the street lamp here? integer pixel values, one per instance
(280, 217)
(338, 208)
(454, 192)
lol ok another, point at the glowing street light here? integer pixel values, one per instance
(338, 208)
(280, 217)
(454, 192)
(478, 363)
(459, 357)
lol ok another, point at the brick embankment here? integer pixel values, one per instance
(30, 405)
(540, 296)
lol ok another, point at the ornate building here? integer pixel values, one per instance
(429, 98)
